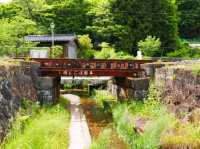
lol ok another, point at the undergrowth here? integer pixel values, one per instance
(38, 127)
(104, 99)
(157, 128)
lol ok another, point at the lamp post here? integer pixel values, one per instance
(52, 26)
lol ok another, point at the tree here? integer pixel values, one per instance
(9, 10)
(150, 46)
(12, 35)
(140, 18)
(103, 27)
(189, 25)
(69, 16)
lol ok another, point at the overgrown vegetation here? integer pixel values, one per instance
(150, 46)
(39, 127)
(148, 125)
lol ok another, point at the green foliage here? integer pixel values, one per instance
(108, 52)
(189, 26)
(57, 51)
(69, 16)
(152, 111)
(104, 99)
(150, 46)
(184, 135)
(141, 18)
(103, 141)
(102, 96)
(72, 85)
(121, 23)
(47, 128)
(185, 51)
(12, 34)
(125, 114)
(85, 47)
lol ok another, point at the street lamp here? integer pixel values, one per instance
(52, 26)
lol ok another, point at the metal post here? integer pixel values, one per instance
(52, 26)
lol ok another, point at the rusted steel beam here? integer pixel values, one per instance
(93, 67)
(82, 72)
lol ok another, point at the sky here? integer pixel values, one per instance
(4, 1)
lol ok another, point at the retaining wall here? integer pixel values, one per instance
(179, 88)
(15, 85)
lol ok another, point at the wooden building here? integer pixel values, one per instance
(68, 42)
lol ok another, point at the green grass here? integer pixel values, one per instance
(161, 129)
(102, 96)
(157, 118)
(42, 128)
(103, 141)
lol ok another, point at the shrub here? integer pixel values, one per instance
(185, 52)
(57, 51)
(86, 47)
(108, 52)
(104, 99)
(150, 46)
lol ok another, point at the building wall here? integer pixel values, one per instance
(72, 50)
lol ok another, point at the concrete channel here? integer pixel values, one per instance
(79, 132)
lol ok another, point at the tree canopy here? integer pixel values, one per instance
(122, 24)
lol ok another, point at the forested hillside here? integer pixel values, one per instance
(121, 24)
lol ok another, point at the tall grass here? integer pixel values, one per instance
(42, 128)
(103, 141)
(158, 120)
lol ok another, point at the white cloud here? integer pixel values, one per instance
(4, 1)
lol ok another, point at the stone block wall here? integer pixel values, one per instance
(22, 81)
(180, 89)
(15, 85)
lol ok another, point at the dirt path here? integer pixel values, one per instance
(79, 133)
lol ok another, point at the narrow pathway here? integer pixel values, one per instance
(79, 132)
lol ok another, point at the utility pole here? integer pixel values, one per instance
(52, 26)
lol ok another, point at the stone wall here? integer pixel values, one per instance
(22, 81)
(180, 89)
(15, 84)
(129, 88)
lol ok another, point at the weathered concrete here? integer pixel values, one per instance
(47, 87)
(129, 88)
(79, 132)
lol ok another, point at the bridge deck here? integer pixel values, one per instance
(92, 67)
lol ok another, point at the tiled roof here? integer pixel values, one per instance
(48, 38)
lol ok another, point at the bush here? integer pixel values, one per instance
(150, 46)
(104, 99)
(185, 52)
(86, 47)
(57, 52)
(108, 52)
